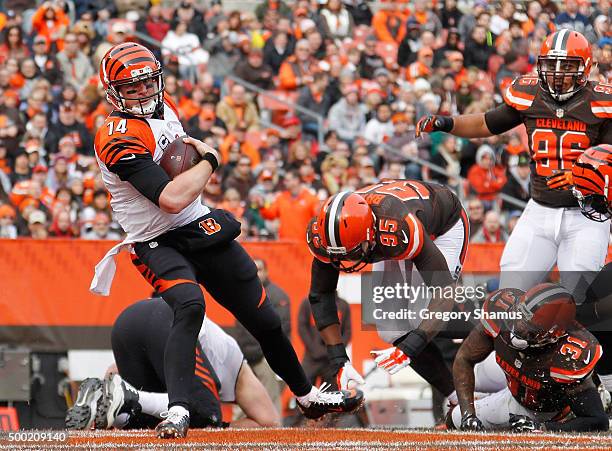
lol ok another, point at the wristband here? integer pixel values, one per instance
(210, 157)
(337, 353)
(414, 343)
(444, 123)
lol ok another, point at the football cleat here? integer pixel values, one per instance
(175, 425)
(322, 402)
(118, 397)
(83, 413)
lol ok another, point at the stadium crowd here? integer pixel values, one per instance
(368, 72)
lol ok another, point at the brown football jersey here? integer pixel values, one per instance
(538, 378)
(559, 132)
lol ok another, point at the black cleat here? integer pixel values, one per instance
(323, 402)
(118, 397)
(83, 413)
(174, 426)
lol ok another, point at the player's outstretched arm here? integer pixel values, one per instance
(254, 401)
(475, 348)
(465, 126)
(186, 187)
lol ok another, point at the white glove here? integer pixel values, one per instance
(348, 377)
(391, 359)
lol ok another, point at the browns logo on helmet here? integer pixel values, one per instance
(344, 232)
(592, 175)
(564, 63)
(542, 316)
(127, 64)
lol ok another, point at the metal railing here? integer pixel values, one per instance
(321, 121)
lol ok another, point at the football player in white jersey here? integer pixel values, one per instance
(177, 243)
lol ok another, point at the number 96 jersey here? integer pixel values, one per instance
(558, 132)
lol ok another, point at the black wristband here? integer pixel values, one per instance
(444, 123)
(212, 159)
(414, 343)
(337, 353)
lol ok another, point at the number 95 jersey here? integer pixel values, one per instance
(558, 132)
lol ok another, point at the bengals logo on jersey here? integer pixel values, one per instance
(210, 226)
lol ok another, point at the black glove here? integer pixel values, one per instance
(522, 424)
(470, 422)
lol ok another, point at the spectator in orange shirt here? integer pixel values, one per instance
(422, 66)
(51, 22)
(237, 140)
(237, 108)
(389, 22)
(293, 207)
(298, 70)
(485, 177)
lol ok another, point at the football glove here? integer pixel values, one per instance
(391, 359)
(348, 377)
(470, 422)
(428, 124)
(522, 424)
(561, 180)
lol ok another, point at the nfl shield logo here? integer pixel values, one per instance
(518, 363)
(560, 112)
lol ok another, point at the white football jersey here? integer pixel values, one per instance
(122, 137)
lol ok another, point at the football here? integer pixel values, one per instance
(179, 157)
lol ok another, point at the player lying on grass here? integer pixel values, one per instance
(138, 339)
(548, 359)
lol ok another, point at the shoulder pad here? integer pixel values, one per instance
(120, 136)
(601, 103)
(521, 92)
(497, 302)
(575, 357)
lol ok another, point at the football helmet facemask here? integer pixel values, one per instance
(126, 66)
(564, 64)
(592, 175)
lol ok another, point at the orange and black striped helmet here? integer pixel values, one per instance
(592, 174)
(565, 53)
(127, 64)
(345, 227)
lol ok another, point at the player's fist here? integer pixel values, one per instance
(470, 422)
(391, 359)
(348, 377)
(561, 180)
(522, 424)
(428, 124)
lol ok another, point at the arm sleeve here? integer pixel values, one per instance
(143, 173)
(322, 295)
(502, 119)
(588, 409)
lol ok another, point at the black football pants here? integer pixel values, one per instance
(229, 274)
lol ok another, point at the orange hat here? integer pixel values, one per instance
(272, 132)
(7, 210)
(399, 117)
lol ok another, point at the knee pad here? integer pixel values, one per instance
(183, 295)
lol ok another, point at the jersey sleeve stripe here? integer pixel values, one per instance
(602, 109)
(562, 375)
(416, 236)
(518, 101)
(490, 327)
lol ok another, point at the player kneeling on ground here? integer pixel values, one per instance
(548, 359)
(137, 396)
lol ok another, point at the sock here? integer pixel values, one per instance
(153, 403)
(306, 399)
(121, 420)
(606, 381)
(180, 410)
